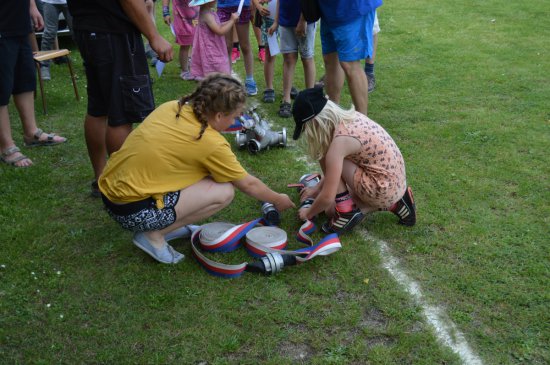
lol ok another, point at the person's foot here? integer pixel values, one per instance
(372, 82)
(293, 93)
(235, 55)
(166, 254)
(343, 222)
(13, 156)
(186, 75)
(261, 55)
(41, 138)
(45, 73)
(405, 209)
(251, 88)
(94, 190)
(269, 96)
(285, 109)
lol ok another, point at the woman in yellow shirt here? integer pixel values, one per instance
(177, 169)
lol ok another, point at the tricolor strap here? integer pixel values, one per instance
(226, 237)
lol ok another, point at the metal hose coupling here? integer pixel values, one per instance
(271, 263)
(257, 135)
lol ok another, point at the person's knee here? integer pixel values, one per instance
(351, 67)
(227, 193)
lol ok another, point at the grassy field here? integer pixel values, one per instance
(463, 88)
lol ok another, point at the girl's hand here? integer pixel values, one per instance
(273, 28)
(263, 11)
(234, 17)
(302, 213)
(283, 203)
(301, 28)
(168, 20)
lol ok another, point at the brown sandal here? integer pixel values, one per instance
(13, 162)
(49, 141)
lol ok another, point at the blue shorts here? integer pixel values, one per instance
(143, 215)
(17, 70)
(352, 41)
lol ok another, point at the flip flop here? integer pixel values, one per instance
(49, 141)
(12, 162)
(166, 255)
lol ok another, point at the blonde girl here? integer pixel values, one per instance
(362, 166)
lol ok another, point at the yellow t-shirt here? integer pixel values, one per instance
(163, 155)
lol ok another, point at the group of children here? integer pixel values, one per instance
(176, 169)
(209, 26)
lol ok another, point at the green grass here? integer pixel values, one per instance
(462, 87)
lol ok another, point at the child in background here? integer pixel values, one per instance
(209, 47)
(225, 10)
(269, 63)
(296, 37)
(185, 20)
(363, 169)
(177, 169)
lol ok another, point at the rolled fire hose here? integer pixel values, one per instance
(266, 243)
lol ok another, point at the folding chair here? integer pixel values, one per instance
(40, 56)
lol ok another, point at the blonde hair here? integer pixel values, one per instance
(217, 93)
(319, 131)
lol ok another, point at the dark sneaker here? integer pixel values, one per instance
(343, 222)
(406, 209)
(372, 82)
(269, 96)
(293, 93)
(285, 110)
(94, 190)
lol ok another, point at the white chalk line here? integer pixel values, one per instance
(445, 329)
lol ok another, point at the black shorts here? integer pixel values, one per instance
(119, 84)
(17, 72)
(143, 215)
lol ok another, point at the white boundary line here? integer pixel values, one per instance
(445, 329)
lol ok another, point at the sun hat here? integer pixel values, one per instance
(199, 2)
(307, 105)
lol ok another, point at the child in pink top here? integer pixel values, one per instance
(184, 22)
(209, 47)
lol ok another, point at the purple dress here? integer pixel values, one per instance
(209, 51)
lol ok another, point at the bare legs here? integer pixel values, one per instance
(102, 139)
(336, 71)
(196, 202)
(269, 68)
(24, 103)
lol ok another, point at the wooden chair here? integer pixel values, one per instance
(40, 56)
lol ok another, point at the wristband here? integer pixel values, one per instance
(165, 11)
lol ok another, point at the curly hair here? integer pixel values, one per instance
(217, 93)
(320, 130)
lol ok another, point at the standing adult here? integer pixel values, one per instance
(346, 39)
(108, 34)
(18, 78)
(51, 11)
